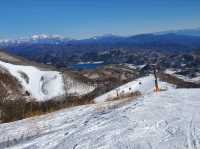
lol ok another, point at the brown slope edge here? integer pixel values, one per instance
(9, 85)
(10, 58)
(10, 91)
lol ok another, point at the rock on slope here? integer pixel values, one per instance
(164, 120)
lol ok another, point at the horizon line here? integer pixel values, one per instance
(99, 35)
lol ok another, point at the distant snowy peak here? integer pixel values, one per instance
(108, 38)
(44, 36)
(48, 39)
(36, 39)
(7, 41)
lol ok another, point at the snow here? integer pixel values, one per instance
(141, 66)
(132, 66)
(144, 85)
(98, 62)
(44, 36)
(185, 78)
(43, 85)
(40, 38)
(164, 120)
(170, 71)
(194, 79)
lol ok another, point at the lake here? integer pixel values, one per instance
(87, 66)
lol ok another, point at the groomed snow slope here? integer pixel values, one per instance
(42, 85)
(165, 120)
(144, 85)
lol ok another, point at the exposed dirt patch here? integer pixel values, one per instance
(118, 102)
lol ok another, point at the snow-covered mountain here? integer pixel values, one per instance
(36, 39)
(165, 120)
(42, 85)
(108, 38)
(41, 82)
(57, 39)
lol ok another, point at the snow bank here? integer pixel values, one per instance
(42, 85)
(185, 78)
(144, 85)
(165, 120)
(170, 71)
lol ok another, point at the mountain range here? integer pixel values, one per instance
(109, 38)
(61, 51)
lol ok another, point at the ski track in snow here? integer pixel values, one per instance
(165, 120)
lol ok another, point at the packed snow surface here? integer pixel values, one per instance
(164, 120)
(144, 85)
(42, 85)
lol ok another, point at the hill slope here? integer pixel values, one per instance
(28, 87)
(164, 120)
(42, 83)
(143, 86)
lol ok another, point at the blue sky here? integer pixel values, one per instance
(85, 18)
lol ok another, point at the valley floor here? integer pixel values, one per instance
(165, 120)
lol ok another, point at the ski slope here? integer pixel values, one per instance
(164, 120)
(42, 85)
(144, 85)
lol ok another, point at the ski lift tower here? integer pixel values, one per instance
(157, 89)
